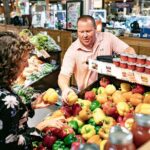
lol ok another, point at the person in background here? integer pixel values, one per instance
(98, 25)
(135, 28)
(14, 131)
(89, 44)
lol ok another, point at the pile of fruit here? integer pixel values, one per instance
(90, 119)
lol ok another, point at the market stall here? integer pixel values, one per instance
(105, 110)
(99, 112)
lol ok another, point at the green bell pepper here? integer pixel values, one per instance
(97, 129)
(73, 124)
(69, 139)
(95, 104)
(79, 130)
(92, 122)
(58, 145)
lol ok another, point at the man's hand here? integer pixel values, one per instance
(130, 50)
(56, 122)
(65, 93)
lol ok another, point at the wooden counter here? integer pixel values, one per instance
(141, 45)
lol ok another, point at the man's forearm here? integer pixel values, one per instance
(63, 81)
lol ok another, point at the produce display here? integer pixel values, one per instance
(29, 94)
(26, 94)
(26, 33)
(38, 66)
(35, 70)
(41, 41)
(89, 120)
(44, 42)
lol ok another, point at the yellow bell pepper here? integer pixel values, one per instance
(109, 122)
(125, 87)
(123, 108)
(85, 114)
(84, 103)
(104, 132)
(79, 121)
(95, 139)
(143, 108)
(128, 123)
(69, 119)
(57, 113)
(87, 131)
(98, 115)
(102, 144)
(72, 98)
(50, 96)
(101, 90)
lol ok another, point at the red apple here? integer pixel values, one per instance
(76, 108)
(49, 140)
(104, 82)
(90, 95)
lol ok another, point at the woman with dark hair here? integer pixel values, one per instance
(14, 131)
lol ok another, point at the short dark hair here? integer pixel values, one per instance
(86, 18)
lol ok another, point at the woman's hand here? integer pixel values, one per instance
(39, 103)
(55, 122)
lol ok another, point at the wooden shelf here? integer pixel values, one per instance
(141, 45)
